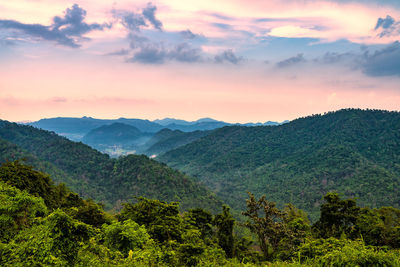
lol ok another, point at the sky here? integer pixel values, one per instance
(232, 60)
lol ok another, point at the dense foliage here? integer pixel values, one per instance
(35, 231)
(166, 140)
(356, 152)
(95, 175)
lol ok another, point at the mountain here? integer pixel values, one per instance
(356, 152)
(166, 121)
(97, 176)
(199, 126)
(167, 139)
(11, 152)
(268, 123)
(76, 128)
(116, 136)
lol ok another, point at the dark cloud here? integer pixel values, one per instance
(387, 26)
(184, 53)
(335, 57)
(188, 34)
(136, 40)
(135, 21)
(228, 56)
(72, 24)
(39, 31)
(384, 23)
(149, 13)
(158, 54)
(384, 62)
(65, 30)
(121, 52)
(132, 21)
(291, 61)
(149, 54)
(145, 50)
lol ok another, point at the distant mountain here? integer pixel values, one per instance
(268, 123)
(97, 176)
(200, 126)
(111, 137)
(76, 128)
(117, 135)
(166, 121)
(167, 139)
(356, 152)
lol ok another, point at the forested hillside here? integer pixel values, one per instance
(115, 136)
(167, 139)
(356, 152)
(43, 224)
(95, 175)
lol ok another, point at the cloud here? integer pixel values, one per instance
(291, 61)
(121, 52)
(65, 30)
(387, 26)
(158, 54)
(150, 54)
(184, 53)
(222, 26)
(145, 49)
(135, 21)
(149, 13)
(130, 20)
(39, 31)
(384, 62)
(188, 34)
(385, 23)
(72, 24)
(228, 56)
(136, 40)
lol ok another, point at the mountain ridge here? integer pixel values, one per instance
(286, 161)
(97, 176)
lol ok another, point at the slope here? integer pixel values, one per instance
(353, 151)
(118, 135)
(167, 139)
(111, 181)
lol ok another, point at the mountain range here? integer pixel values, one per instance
(355, 152)
(129, 136)
(96, 175)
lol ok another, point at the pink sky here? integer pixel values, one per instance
(321, 56)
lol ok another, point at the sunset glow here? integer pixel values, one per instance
(237, 61)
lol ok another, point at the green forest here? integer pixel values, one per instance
(94, 175)
(352, 151)
(43, 224)
(318, 191)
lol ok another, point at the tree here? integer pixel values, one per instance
(337, 217)
(18, 209)
(266, 221)
(202, 220)
(34, 182)
(161, 219)
(125, 236)
(225, 223)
